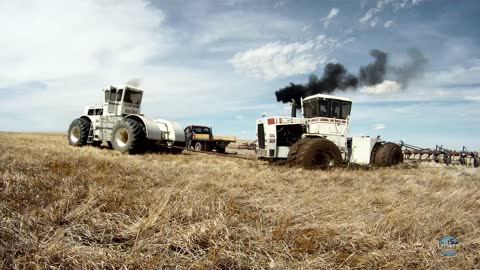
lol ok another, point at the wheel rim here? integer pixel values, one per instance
(121, 137)
(75, 134)
(198, 146)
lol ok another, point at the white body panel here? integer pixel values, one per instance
(172, 130)
(362, 149)
(271, 126)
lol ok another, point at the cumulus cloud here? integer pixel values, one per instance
(61, 55)
(386, 87)
(328, 19)
(52, 40)
(279, 59)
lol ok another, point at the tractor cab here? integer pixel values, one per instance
(120, 101)
(326, 106)
(325, 114)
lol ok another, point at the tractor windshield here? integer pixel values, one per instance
(133, 97)
(324, 107)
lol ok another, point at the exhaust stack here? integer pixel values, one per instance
(294, 109)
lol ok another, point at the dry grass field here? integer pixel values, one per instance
(88, 208)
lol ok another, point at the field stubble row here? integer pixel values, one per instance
(95, 208)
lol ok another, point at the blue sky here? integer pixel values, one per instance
(219, 63)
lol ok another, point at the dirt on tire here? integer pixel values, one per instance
(388, 154)
(293, 153)
(319, 153)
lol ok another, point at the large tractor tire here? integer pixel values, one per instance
(129, 136)
(220, 150)
(319, 153)
(388, 154)
(293, 153)
(78, 132)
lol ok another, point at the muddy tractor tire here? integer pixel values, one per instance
(220, 150)
(387, 154)
(293, 153)
(319, 153)
(476, 162)
(129, 136)
(78, 132)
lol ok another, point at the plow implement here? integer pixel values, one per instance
(440, 155)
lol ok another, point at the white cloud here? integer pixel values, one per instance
(370, 14)
(384, 88)
(306, 27)
(328, 19)
(279, 59)
(54, 39)
(371, 17)
(379, 126)
(388, 24)
(61, 55)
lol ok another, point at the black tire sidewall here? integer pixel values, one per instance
(136, 136)
(312, 149)
(84, 126)
(388, 154)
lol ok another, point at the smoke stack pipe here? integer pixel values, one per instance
(294, 109)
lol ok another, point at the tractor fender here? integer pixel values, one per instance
(173, 130)
(152, 130)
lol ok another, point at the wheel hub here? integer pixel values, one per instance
(121, 137)
(75, 134)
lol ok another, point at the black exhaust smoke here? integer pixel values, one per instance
(336, 77)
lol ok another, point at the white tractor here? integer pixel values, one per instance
(119, 123)
(320, 139)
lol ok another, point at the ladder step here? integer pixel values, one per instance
(90, 135)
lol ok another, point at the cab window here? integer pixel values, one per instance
(346, 107)
(113, 94)
(335, 109)
(119, 95)
(310, 108)
(323, 105)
